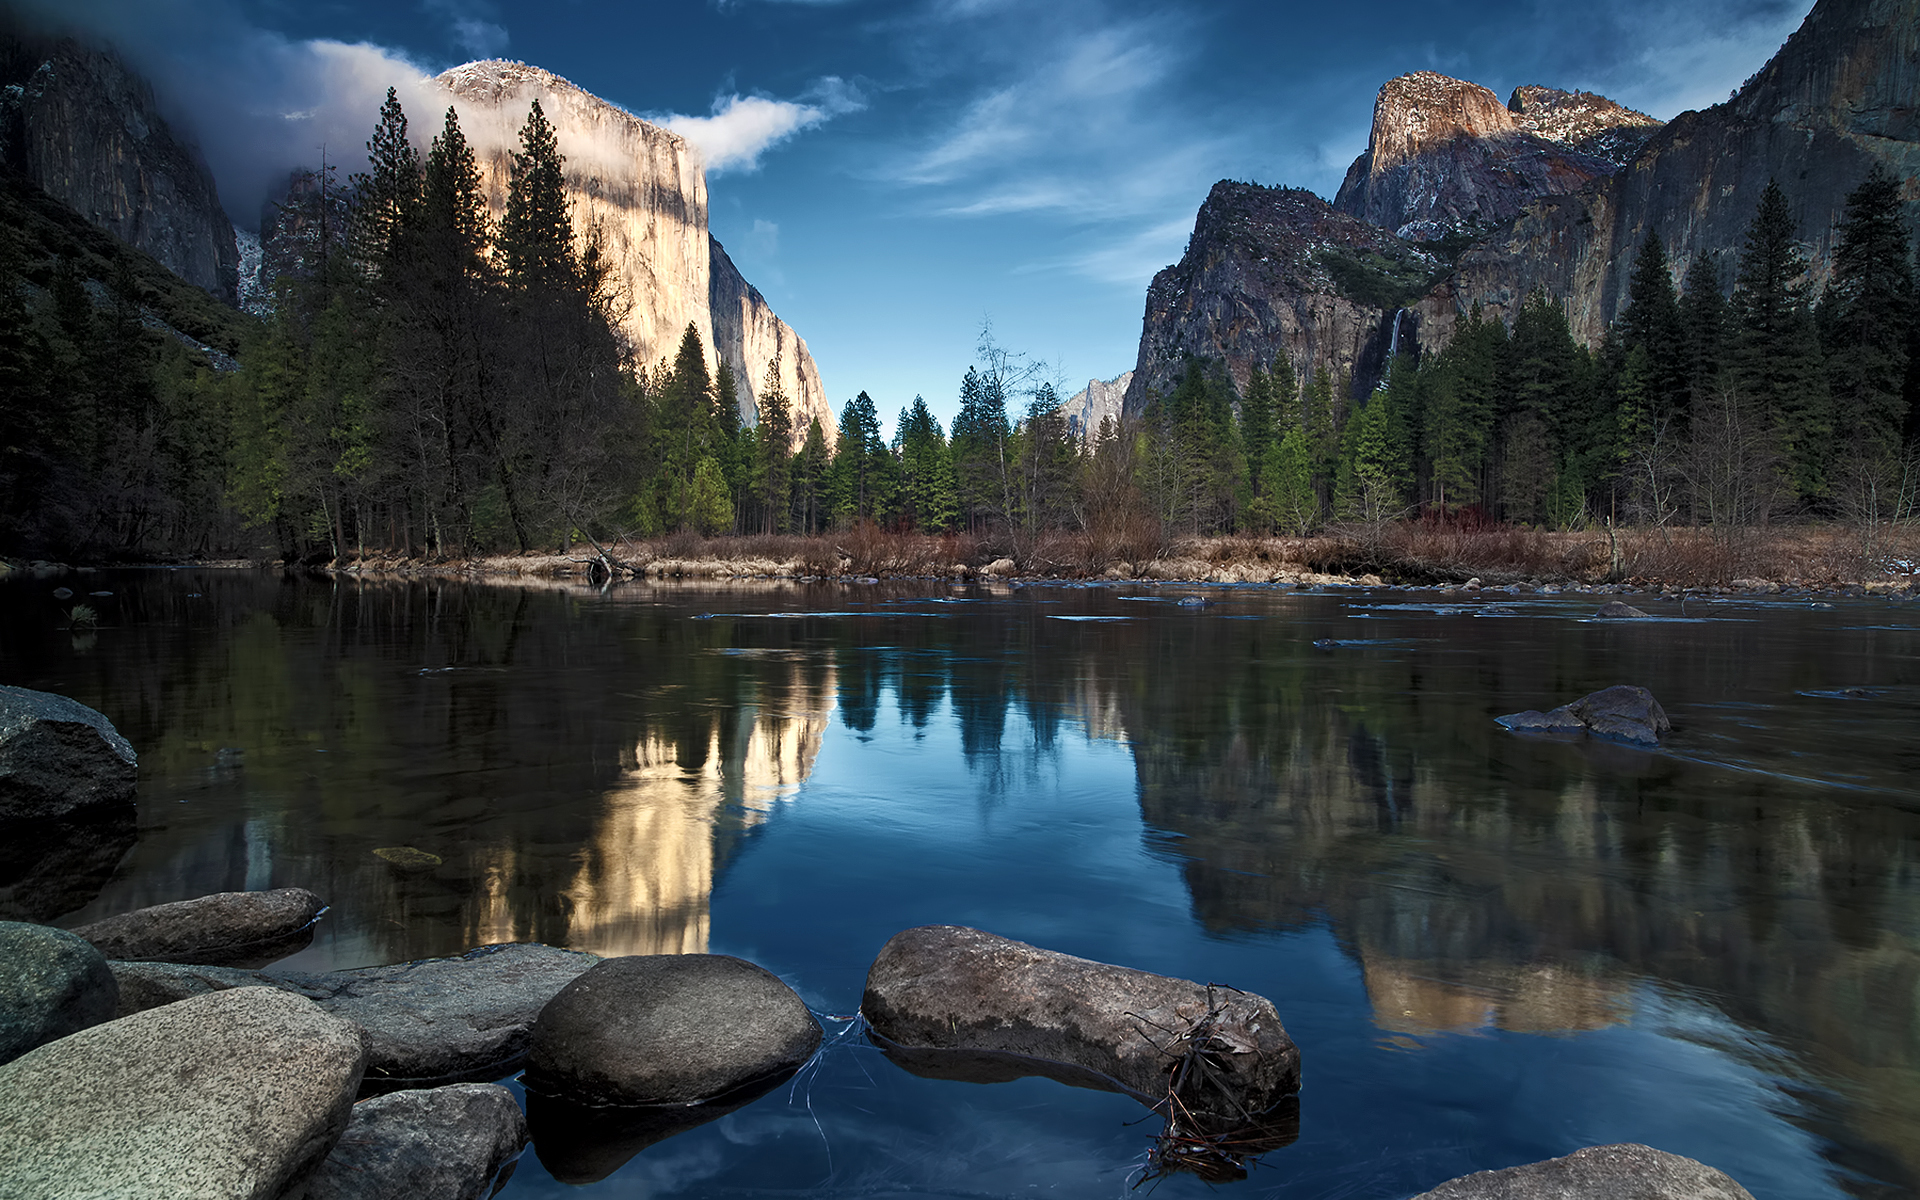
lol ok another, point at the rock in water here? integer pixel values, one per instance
(446, 1143)
(1623, 1172)
(668, 1029)
(427, 1022)
(1619, 714)
(58, 756)
(224, 929)
(53, 867)
(238, 1094)
(51, 984)
(1618, 610)
(947, 987)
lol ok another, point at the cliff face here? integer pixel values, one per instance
(1096, 402)
(1272, 268)
(1837, 98)
(749, 336)
(1445, 155)
(645, 190)
(79, 125)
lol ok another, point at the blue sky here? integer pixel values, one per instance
(890, 173)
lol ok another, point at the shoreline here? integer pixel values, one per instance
(1806, 559)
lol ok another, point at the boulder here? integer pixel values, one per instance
(1623, 1172)
(953, 989)
(224, 929)
(57, 757)
(427, 1022)
(1618, 610)
(668, 1029)
(447, 1143)
(51, 984)
(1619, 714)
(239, 1094)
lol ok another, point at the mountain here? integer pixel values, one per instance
(646, 191)
(78, 124)
(1837, 98)
(1094, 403)
(1445, 156)
(1271, 269)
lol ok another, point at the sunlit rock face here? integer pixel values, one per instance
(82, 127)
(1100, 400)
(644, 189)
(1446, 156)
(1258, 277)
(1834, 101)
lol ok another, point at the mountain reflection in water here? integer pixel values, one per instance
(1720, 942)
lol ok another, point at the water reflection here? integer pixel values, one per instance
(590, 769)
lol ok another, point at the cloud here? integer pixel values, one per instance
(470, 24)
(742, 128)
(764, 238)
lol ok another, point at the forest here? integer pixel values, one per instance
(432, 382)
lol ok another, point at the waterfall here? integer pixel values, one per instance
(1393, 350)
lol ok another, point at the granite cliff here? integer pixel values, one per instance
(79, 125)
(645, 189)
(1839, 97)
(1279, 268)
(1445, 156)
(1100, 400)
(1561, 189)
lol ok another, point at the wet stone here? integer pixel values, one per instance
(224, 929)
(457, 1142)
(668, 1029)
(51, 984)
(1622, 1172)
(57, 757)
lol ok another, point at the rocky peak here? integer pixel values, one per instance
(1421, 112)
(1446, 157)
(1583, 121)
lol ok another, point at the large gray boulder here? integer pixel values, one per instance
(57, 757)
(238, 1094)
(427, 1022)
(1623, 1172)
(1619, 714)
(983, 999)
(448, 1143)
(668, 1029)
(51, 984)
(224, 929)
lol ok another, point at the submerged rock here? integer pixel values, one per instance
(51, 984)
(427, 1022)
(1618, 610)
(668, 1029)
(1005, 1005)
(224, 929)
(1619, 714)
(52, 867)
(239, 1094)
(57, 756)
(584, 1143)
(1623, 1172)
(447, 1143)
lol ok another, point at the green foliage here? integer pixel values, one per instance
(1375, 280)
(1776, 360)
(927, 498)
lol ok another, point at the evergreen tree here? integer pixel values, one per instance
(1288, 479)
(773, 455)
(1776, 360)
(536, 237)
(862, 465)
(1705, 321)
(926, 470)
(812, 499)
(979, 449)
(685, 423)
(386, 200)
(1651, 322)
(1320, 422)
(1048, 463)
(1867, 319)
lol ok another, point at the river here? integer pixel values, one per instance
(1491, 948)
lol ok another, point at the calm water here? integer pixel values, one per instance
(1491, 949)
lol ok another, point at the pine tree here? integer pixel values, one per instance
(773, 455)
(862, 465)
(536, 237)
(685, 424)
(1867, 319)
(1776, 361)
(386, 200)
(926, 469)
(979, 449)
(1048, 463)
(812, 500)
(1706, 324)
(1651, 322)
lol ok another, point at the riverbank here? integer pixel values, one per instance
(1826, 558)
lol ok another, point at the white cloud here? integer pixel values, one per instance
(470, 24)
(764, 238)
(741, 128)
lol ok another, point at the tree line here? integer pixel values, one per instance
(434, 381)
